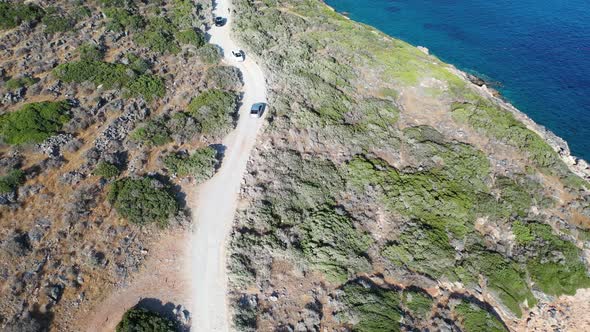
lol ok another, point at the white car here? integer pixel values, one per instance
(238, 55)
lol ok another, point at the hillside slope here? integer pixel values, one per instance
(390, 193)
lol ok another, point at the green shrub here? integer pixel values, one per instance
(224, 78)
(556, 267)
(418, 302)
(503, 276)
(90, 52)
(191, 37)
(82, 12)
(57, 22)
(20, 82)
(11, 181)
(214, 110)
(112, 75)
(422, 249)
(201, 164)
(522, 233)
(182, 13)
(159, 35)
(148, 86)
(443, 196)
(34, 122)
(374, 309)
(136, 320)
(210, 54)
(142, 201)
(12, 14)
(153, 133)
(123, 20)
(475, 319)
(138, 64)
(333, 245)
(502, 125)
(106, 170)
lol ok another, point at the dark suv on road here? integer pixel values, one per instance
(219, 21)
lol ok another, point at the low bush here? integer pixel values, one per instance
(11, 181)
(423, 249)
(214, 110)
(200, 164)
(143, 200)
(123, 20)
(137, 319)
(153, 133)
(333, 245)
(12, 14)
(503, 126)
(418, 302)
(556, 267)
(503, 276)
(224, 78)
(182, 13)
(209, 54)
(476, 319)
(159, 35)
(55, 21)
(20, 82)
(137, 64)
(34, 122)
(90, 52)
(112, 75)
(373, 309)
(191, 37)
(106, 170)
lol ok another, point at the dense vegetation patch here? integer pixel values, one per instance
(123, 20)
(374, 309)
(12, 14)
(111, 76)
(332, 244)
(136, 320)
(502, 125)
(473, 318)
(20, 82)
(556, 267)
(90, 52)
(153, 133)
(214, 110)
(143, 200)
(106, 170)
(200, 164)
(418, 303)
(34, 122)
(503, 276)
(56, 21)
(11, 181)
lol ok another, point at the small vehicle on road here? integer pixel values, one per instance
(238, 55)
(257, 109)
(219, 21)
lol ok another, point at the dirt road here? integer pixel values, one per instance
(217, 198)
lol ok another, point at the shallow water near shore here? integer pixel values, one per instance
(538, 52)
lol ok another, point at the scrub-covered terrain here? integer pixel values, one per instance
(110, 112)
(390, 193)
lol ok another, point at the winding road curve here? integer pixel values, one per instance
(217, 198)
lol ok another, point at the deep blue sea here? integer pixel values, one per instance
(538, 51)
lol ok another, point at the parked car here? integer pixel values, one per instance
(257, 109)
(238, 55)
(219, 21)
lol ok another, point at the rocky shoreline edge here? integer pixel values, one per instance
(577, 165)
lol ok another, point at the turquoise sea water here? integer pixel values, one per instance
(538, 51)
